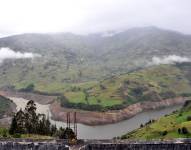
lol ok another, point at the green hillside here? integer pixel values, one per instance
(68, 58)
(150, 84)
(175, 125)
(97, 72)
(5, 106)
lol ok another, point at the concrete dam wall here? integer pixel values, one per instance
(167, 146)
(32, 146)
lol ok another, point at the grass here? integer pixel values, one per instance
(76, 97)
(170, 124)
(123, 89)
(36, 136)
(4, 133)
(152, 83)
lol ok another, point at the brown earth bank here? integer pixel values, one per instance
(91, 117)
(100, 118)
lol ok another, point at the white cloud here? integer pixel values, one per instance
(85, 16)
(171, 59)
(7, 53)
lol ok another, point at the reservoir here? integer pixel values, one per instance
(103, 131)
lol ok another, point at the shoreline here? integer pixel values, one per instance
(103, 118)
(92, 118)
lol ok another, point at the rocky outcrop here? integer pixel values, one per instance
(99, 118)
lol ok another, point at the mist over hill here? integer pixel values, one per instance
(69, 58)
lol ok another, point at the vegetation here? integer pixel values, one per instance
(5, 106)
(175, 125)
(28, 88)
(28, 122)
(149, 84)
(69, 59)
(92, 71)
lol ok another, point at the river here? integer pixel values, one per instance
(103, 131)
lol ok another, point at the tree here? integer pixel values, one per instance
(13, 126)
(29, 121)
(31, 117)
(41, 124)
(20, 122)
(67, 133)
(53, 130)
(47, 126)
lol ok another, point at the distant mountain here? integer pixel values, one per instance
(69, 58)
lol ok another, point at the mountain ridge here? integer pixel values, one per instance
(69, 60)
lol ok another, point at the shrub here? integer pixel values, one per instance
(17, 135)
(28, 88)
(187, 103)
(168, 94)
(185, 130)
(189, 118)
(164, 133)
(123, 137)
(179, 131)
(186, 94)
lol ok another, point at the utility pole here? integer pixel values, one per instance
(68, 120)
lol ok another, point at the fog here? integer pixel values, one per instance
(87, 16)
(7, 53)
(171, 59)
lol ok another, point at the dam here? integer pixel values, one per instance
(179, 144)
(29, 144)
(24, 144)
(138, 146)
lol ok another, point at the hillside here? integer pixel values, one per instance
(5, 106)
(150, 84)
(68, 60)
(175, 125)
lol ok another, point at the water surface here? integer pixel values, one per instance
(103, 131)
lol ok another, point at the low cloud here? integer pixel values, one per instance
(7, 53)
(171, 59)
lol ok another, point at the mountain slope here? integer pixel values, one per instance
(175, 125)
(5, 107)
(150, 84)
(72, 59)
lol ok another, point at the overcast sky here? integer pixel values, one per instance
(87, 16)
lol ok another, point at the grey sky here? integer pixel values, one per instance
(86, 16)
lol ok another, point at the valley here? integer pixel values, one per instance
(106, 80)
(100, 131)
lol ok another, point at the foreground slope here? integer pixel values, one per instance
(175, 125)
